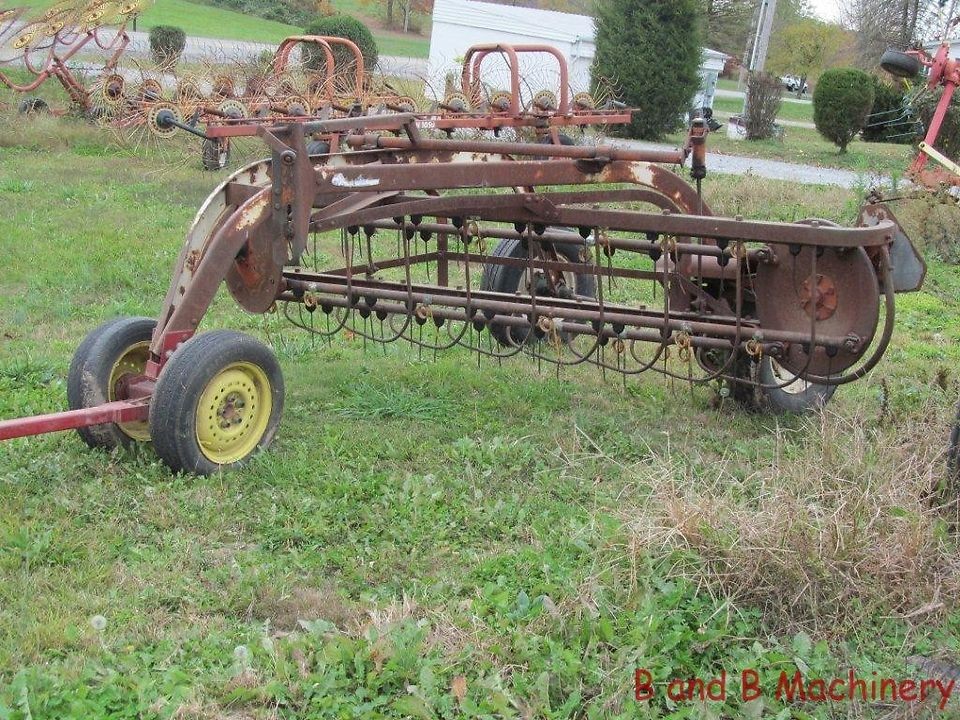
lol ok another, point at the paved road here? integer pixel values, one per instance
(775, 169)
(201, 48)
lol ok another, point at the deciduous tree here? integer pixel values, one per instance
(727, 24)
(880, 24)
(804, 48)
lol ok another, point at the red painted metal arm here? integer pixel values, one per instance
(122, 411)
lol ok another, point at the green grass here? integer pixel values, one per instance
(805, 146)
(207, 21)
(727, 84)
(801, 112)
(430, 538)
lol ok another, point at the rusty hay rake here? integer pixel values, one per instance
(566, 254)
(47, 44)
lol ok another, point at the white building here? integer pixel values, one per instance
(458, 24)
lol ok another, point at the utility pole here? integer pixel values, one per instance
(764, 29)
(761, 44)
(758, 45)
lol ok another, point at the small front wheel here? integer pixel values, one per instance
(33, 106)
(101, 370)
(217, 402)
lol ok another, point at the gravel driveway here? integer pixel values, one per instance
(775, 169)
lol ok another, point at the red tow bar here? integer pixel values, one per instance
(121, 411)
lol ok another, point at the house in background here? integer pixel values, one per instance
(458, 24)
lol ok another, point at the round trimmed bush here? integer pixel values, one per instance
(167, 43)
(841, 102)
(346, 27)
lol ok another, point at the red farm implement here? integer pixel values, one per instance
(324, 88)
(44, 46)
(498, 249)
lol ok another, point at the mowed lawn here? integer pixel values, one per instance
(798, 111)
(808, 147)
(213, 22)
(433, 539)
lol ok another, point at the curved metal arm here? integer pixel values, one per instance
(476, 55)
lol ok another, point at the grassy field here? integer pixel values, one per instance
(430, 539)
(207, 21)
(802, 145)
(801, 112)
(727, 84)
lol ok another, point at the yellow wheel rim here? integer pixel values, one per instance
(132, 362)
(233, 413)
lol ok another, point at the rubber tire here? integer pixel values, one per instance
(779, 401)
(89, 374)
(565, 140)
(506, 278)
(210, 155)
(186, 374)
(33, 105)
(900, 65)
(317, 147)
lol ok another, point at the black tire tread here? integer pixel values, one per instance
(89, 374)
(497, 278)
(899, 64)
(317, 147)
(182, 381)
(779, 401)
(33, 105)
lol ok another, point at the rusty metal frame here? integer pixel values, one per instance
(252, 232)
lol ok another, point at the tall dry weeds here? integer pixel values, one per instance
(851, 521)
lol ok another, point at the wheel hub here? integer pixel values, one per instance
(233, 413)
(128, 367)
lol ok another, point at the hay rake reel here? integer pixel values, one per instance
(331, 90)
(45, 44)
(567, 255)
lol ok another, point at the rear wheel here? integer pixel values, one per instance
(218, 402)
(512, 279)
(779, 390)
(215, 154)
(104, 363)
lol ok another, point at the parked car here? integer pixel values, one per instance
(792, 83)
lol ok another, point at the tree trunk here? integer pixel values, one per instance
(406, 16)
(389, 13)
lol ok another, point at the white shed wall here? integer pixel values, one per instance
(458, 24)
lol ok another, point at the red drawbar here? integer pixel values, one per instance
(115, 412)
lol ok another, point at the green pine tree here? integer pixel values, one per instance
(651, 51)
